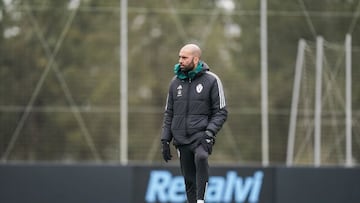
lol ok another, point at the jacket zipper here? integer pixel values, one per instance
(187, 107)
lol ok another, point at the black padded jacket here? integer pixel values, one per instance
(194, 104)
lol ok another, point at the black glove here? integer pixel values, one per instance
(207, 141)
(166, 151)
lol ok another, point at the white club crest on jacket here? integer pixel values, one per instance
(199, 88)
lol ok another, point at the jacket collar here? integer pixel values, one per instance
(191, 74)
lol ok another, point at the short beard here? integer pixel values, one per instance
(189, 67)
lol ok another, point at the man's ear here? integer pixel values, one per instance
(196, 59)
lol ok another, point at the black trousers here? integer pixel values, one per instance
(195, 169)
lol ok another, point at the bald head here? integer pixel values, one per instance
(189, 57)
(193, 49)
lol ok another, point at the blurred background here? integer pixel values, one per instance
(62, 72)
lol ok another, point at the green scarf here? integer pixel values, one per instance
(191, 74)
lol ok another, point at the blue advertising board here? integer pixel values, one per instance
(112, 183)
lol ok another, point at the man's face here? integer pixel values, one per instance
(187, 61)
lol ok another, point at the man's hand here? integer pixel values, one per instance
(208, 141)
(166, 151)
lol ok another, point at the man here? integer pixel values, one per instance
(194, 113)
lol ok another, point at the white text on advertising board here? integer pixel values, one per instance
(164, 187)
